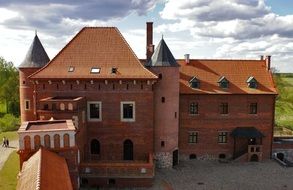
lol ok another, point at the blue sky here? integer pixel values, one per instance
(230, 29)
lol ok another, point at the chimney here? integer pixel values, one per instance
(186, 57)
(261, 57)
(149, 40)
(268, 62)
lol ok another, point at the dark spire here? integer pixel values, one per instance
(162, 56)
(36, 56)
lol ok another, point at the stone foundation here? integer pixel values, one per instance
(164, 159)
(185, 157)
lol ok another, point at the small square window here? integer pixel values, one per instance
(95, 70)
(127, 111)
(222, 138)
(71, 69)
(195, 85)
(192, 137)
(162, 143)
(94, 111)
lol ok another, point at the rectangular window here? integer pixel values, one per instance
(95, 70)
(94, 111)
(193, 137)
(224, 108)
(253, 108)
(127, 111)
(193, 108)
(222, 138)
(27, 105)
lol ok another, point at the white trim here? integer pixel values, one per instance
(29, 104)
(121, 111)
(100, 111)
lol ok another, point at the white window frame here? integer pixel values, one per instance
(88, 110)
(121, 111)
(29, 104)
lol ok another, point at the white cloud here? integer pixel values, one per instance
(232, 28)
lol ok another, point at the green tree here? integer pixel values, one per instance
(9, 85)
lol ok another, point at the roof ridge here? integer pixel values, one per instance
(38, 182)
(134, 53)
(221, 59)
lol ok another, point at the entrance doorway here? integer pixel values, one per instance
(254, 158)
(127, 150)
(175, 157)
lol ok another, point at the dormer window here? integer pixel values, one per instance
(194, 82)
(95, 70)
(114, 70)
(71, 69)
(223, 82)
(251, 82)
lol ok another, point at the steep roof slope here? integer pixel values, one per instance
(45, 170)
(102, 48)
(36, 56)
(208, 72)
(162, 56)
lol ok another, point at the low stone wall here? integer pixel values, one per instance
(204, 157)
(164, 159)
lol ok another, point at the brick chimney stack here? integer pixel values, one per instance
(149, 40)
(268, 62)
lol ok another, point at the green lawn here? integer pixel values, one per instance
(284, 103)
(8, 174)
(11, 135)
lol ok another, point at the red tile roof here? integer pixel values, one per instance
(45, 170)
(100, 47)
(208, 72)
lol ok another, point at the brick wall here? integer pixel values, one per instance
(209, 122)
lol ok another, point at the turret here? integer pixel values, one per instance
(35, 59)
(166, 105)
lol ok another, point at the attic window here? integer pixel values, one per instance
(194, 82)
(71, 69)
(252, 82)
(223, 82)
(95, 70)
(114, 70)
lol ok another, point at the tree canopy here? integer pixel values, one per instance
(9, 86)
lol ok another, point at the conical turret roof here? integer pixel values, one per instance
(162, 56)
(36, 56)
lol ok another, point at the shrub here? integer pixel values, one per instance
(9, 123)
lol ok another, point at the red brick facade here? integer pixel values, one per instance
(209, 122)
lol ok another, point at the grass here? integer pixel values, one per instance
(11, 135)
(284, 103)
(8, 174)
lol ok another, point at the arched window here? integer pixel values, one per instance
(47, 141)
(62, 106)
(37, 142)
(70, 106)
(95, 146)
(66, 140)
(127, 150)
(27, 142)
(56, 141)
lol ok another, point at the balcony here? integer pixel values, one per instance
(118, 169)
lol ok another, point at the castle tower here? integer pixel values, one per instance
(166, 105)
(35, 59)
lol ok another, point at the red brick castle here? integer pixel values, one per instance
(113, 117)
